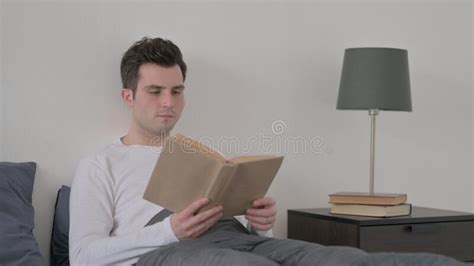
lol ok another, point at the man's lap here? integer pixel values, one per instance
(225, 248)
(230, 243)
(200, 253)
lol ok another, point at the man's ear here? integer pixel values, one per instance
(127, 97)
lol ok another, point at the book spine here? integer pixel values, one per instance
(217, 189)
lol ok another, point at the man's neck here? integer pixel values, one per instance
(149, 140)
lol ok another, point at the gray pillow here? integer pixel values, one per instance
(17, 243)
(59, 249)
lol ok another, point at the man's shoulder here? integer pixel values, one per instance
(96, 170)
(104, 154)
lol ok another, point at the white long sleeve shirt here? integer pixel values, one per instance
(107, 209)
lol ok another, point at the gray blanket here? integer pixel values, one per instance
(230, 243)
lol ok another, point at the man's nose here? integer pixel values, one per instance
(167, 99)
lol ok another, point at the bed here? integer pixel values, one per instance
(18, 245)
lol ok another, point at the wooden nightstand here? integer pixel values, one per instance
(449, 233)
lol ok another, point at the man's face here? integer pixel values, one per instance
(159, 99)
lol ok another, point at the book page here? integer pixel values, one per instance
(251, 181)
(180, 177)
(248, 158)
(197, 146)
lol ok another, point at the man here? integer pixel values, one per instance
(111, 223)
(108, 213)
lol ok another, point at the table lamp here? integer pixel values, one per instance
(374, 79)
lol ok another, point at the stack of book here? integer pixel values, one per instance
(365, 204)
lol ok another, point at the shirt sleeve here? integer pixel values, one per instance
(91, 222)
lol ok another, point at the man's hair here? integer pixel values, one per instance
(149, 50)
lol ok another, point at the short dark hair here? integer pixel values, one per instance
(149, 50)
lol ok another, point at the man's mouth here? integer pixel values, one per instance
(166, 116)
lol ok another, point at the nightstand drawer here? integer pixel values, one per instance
(445, 232)
(455, 239)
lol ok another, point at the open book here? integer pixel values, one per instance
(187, 170)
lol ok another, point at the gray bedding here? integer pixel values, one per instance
(229, 243)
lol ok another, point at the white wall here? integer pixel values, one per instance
(250, 64)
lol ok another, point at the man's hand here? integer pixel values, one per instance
(262, 214)
(188, 224)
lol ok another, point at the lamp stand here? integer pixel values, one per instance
(373, 114)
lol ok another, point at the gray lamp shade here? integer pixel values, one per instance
(375, 78)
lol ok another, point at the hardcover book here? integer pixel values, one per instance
(367, 198)
(372, 210)
(187, 170)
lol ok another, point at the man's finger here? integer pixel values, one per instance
(205, 215)
(195, 206)
(261, 220)
(261, 212)
(263, 202)
(204, 226)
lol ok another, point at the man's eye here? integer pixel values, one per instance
(176, 92)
